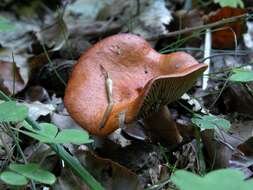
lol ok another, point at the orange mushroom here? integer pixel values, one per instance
(143, 83)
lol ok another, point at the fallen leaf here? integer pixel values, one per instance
(225, 37)
(10, 78)
(109, 173)
(37, 109)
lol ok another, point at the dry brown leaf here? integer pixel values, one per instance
(10, 78)
(225, 38)
(109, 173)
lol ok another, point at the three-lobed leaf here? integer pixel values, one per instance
(222, 179)
(73, 136)
(13, 178)
(49, 134)
(230, 3)
(10, 112)
(34, 172)
(5, 25)
(241, 75)
(210, 122)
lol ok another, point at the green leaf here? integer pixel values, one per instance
(74, 164)
(49, 134)
(12, 178)
(34, 172)
(49, 130)
(210, 122)
(74, 136)
(28, 126)
(5, 25)
(230, 3)
(223, 179)
(39, 137)
(241, 75)
(10, 112)
(45, 135)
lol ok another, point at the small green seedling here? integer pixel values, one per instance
(20, 174)
(5, 25)
(10, 112)
(241, 75)
(230, 3)
(223, 179)
(50, 134)
(210, 122)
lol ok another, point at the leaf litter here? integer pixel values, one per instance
(46, 41)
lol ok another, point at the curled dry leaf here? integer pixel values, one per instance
(224, 38)
(54, 35)
(142, 158)
(221, 145)
(10, 78)
(243, 163)
(109, 173)
(152, 20)
(145, 17)
(248, 37)
(7, 69)
(36, 93)
(37, 109)
(247, 147)
(69, 181)
(84, 10)
(186, 19)
(232, 100)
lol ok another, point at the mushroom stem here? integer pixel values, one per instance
(163, 127)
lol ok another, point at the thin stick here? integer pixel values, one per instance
(14, 73)
(202, 27)
(73, 163)
(222, 54)
(13, 135)
(108, 85)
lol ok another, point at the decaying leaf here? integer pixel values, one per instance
(152, 20)
(222, 145)
(37, 109)
(10, 78)
(54, 35)
(109, 173)
(227, 36)
(69, 181)
(145, 17)
(233, 102)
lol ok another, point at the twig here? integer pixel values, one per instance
(13, 135)
(14, 74)
(6, 146)
(108, 85)
(73, 163)
(222, 54)
(202, 27)
(51, 64)
(222, 89)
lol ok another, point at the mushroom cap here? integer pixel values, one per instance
(143, 79)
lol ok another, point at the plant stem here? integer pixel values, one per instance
(202, 27)
(13, 135)
(74, 164)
